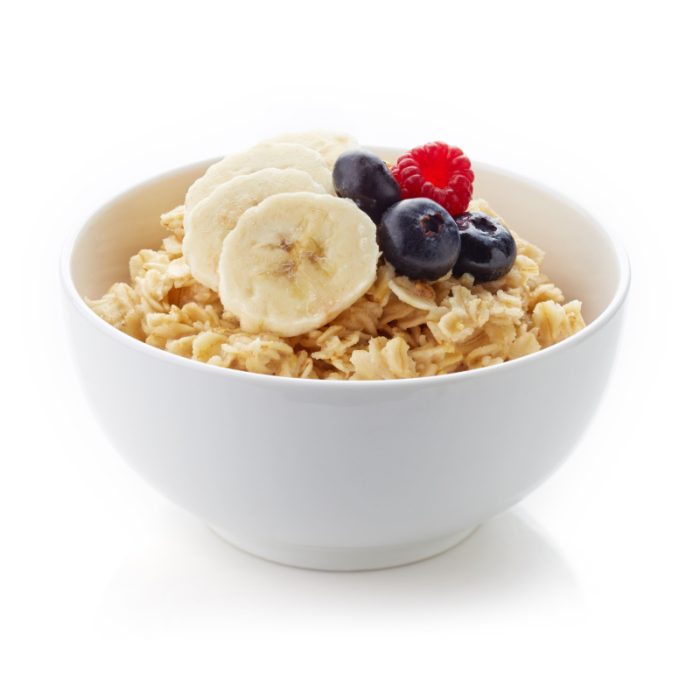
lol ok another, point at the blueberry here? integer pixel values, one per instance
(419, 238)
(365, 178)
(487, 248)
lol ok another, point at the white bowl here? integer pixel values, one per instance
(346, 475)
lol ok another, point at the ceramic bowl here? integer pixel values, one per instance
(346, 475)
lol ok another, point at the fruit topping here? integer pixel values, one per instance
(366, 179)
(439, 172)
(264, 155)
(211, 220)
(328, 144)
(419, 238)
(295, 261)
(487, 247)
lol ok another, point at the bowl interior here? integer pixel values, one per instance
(580, 257)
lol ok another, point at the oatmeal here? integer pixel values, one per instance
(305, 291)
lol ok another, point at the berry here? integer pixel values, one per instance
(419, 238)
(439, 172)
(487, 248)
(366, 179)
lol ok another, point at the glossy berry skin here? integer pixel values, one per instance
(487, 248)
(439, 172)
(366, 179)
(419, 238)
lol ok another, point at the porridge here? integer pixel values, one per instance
(308, 257)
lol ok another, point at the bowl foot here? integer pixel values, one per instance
(344, 558)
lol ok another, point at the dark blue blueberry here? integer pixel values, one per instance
(419, 238)
(487, 248)
(366, 179)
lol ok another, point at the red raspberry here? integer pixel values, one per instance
(439, 172)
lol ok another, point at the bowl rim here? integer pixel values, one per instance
(593, 327)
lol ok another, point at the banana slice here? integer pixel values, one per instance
(211, 219)
(329, 144)
(296, 261)
(264, 155)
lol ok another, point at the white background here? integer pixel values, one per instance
(589, 589)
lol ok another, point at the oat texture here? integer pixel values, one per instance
(398, 329)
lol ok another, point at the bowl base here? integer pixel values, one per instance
(344, 558)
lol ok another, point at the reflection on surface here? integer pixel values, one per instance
(188, 577)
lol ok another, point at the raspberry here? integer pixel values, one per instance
(439, 172)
